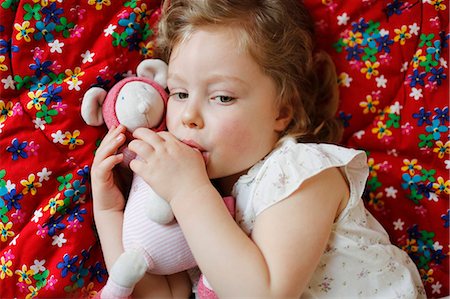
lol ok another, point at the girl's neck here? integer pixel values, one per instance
(225, 185)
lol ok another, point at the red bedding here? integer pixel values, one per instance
(391, 58)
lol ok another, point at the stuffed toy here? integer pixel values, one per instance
(152, 240)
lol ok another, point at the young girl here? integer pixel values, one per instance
(248, 95)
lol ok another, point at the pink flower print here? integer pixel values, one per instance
(376, 95)
(18, 216)
(76, 31)
(8, 255)
(420, 210)
(77, 11)
(32, 148)
(51, 282)
(356, 65)
(42, 231)
(123, 14)
(435, 22)
(407, 129)
(74, 225)
(55, 67)
(60, 107)
(387, 139)
(325, 285)
(22, 286)
(37, 53)
(385, 166)
(385, 59)
(17, 109)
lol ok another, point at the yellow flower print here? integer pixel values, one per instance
(427, 275)
(36, 100)
(3, 67)
(25, 274)
(410, 246)
(44, 3)
(353, 39)
(4, 268)
(402, 35)
(369, 105)
(30, 185)
(143, 13)
(375, 201)
(370, 69)
(99, 3)
(5, 231)
(441, 186)
(411, 166)
(438, 4)
(33, 292)
(440, 148)
(24, 31)
(53, 204)
(381, 130)
(88, 291)
(73, 75)
(147, 50)
(373, 168)
(6, 110)
(72, 140)
(417, 58)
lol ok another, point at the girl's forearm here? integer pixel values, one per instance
(221, 244)
(109, 228)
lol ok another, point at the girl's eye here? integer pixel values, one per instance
(223, 99)
(179, 96)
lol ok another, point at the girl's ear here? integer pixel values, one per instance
(284, 118)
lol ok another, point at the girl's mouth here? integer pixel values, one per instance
(196, 146)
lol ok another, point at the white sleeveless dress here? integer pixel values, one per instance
(359, 260)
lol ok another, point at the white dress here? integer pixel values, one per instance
(359, 260)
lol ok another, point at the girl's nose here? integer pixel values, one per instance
(192, 117)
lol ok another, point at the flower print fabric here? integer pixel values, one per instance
(359, 260)
(392, 63)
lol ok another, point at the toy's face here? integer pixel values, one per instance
(139, 105)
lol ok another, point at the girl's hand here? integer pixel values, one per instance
(106, 193)
(172, 168)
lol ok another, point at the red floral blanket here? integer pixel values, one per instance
(392, 61)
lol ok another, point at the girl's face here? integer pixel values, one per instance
(221, 102)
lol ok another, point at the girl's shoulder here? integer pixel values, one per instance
(284, 170)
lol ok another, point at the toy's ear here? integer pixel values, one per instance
(154, 69)
(91, 106)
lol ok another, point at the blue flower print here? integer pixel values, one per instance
(417, 78)
(354, 52)
(422, 117)
(78, 277)
(54, 224)
(39, 84)
(40, 68)
(436, 129)
(384, 43)
(98, 272)
(130, 24)
(436, 50)
(68, 264)
(52, 13)
(345, 118)
(7, 48)
(360, 26)
(52, 94)
(17, 149)
(370, 39)
(437, 75)
(76, 192)
(12, 199)
(45, 31)
(76, 213)
(84, 173)
(394, 8)
(446, 218)
(410, 182)
(442, 115)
